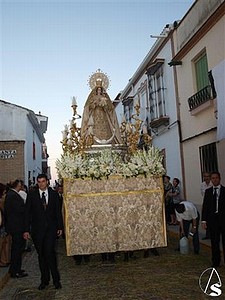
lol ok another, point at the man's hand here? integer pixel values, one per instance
(26, 235)
(59, 232)
(182, 233)
(193, 229)
(204, 226)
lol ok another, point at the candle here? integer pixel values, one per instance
(145, 130)
(128, 128)
(69, 142)
(64, 134)
(123, 119)
(136, 102)
(74, 101)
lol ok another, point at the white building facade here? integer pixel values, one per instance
(200, 82)
(21, 144)
(153, 87)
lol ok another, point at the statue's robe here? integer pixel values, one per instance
(105, 123)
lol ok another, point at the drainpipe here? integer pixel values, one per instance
(178, 119)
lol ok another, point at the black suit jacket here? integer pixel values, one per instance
(38, 220)
(14, 212)
(208, 208)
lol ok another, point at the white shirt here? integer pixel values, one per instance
(216, 189)
(23, 195)
(204, 187)
(46, 195)
(190, 212)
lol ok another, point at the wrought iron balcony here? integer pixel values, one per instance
(200, 97)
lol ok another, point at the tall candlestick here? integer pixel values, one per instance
(74, 101)
(64, 134)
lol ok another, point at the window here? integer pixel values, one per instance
(128, 108)
(34, 151)
(208, 158)
(143, 105)
(201, 72)
(204, 85)
(156, 94)
(34, 147)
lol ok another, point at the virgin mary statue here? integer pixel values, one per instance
(99, 119)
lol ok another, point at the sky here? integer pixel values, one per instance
(48, 50)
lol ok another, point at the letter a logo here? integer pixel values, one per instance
(210, 282)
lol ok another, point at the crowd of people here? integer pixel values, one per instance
(37, 214)
(186, 215)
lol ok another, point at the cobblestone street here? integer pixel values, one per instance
(168, 276)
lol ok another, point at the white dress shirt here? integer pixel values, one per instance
(216, 189)
(190, 212)
(46, 195)
(204, 187)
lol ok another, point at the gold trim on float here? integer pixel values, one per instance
(140, 176)
(114, 193)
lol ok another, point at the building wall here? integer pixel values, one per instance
(169, 142)
(119, 112)
(199, 129)
(221, 159)
(168, 136)
(16, 126)
(12, 120)
(192, 166)
(32, 166)
(165, 138)
(194, 19)
(11, 161)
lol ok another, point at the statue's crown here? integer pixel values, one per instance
(99, 79)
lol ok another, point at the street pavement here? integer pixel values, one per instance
(123, 280)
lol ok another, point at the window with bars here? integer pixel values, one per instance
(156, 94)
(208, 158)
(205, 89)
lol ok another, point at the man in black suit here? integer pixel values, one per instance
(213, 216)
(14, 222)
(44, 217)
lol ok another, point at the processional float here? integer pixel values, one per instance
(113, 192)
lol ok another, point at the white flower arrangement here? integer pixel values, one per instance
(107, 162)
(144, 163)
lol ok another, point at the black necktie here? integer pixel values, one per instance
(215, 199)
(43, 198)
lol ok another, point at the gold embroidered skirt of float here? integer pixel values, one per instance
(115, 214)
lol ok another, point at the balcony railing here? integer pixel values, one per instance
(200, 97)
